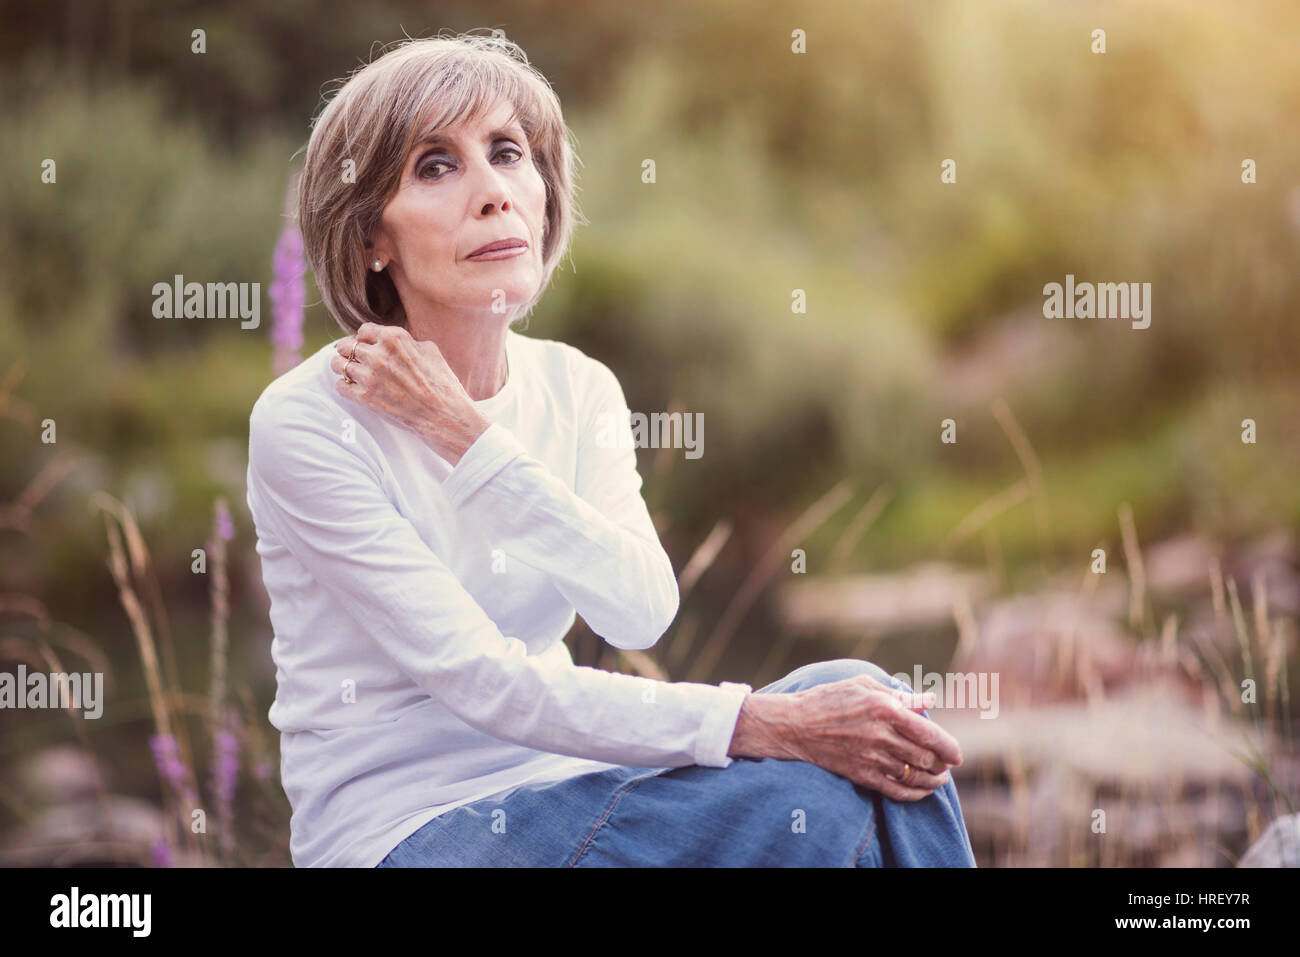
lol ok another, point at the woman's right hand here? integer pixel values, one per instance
(857, 728)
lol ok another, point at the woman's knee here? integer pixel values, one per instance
(825, 672)
(805, 798)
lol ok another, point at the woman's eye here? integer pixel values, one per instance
(428, 166)
(424, 170)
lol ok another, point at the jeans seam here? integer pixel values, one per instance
(618, 796)
(871, 832)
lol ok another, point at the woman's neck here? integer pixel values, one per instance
(474, 350)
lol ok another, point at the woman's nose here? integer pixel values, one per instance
(491, 189)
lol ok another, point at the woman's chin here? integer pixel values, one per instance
(508, 292)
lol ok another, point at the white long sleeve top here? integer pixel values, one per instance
(419, 610)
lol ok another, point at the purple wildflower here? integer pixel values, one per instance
(288, 294)
(166, 756)
(225, 526)
(225, 765)
(162, 854)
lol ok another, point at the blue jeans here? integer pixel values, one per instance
(756, 812)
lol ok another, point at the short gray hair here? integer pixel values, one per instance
(368, 127)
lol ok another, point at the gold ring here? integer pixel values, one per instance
(347, 378)
(907, 772)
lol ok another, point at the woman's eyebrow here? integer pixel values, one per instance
(440, 139)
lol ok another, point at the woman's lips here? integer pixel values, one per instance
(506, 252)
(499, 253)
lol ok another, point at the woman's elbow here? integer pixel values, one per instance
(662, 609)
(672, 598)
(644, 628)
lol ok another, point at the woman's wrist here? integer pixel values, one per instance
(451, 434)
(767, 727)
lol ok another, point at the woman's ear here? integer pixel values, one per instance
(377, 247)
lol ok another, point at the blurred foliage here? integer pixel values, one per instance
(774, 172)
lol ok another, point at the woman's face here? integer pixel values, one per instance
(473, 185)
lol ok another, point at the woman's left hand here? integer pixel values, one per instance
(409, 382)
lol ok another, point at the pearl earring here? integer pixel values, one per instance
(378, 265)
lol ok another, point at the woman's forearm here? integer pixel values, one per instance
(591, 533)
(767, 727)
(450, 432)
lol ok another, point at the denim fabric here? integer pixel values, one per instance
(757, 812)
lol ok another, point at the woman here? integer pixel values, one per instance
(433, 506)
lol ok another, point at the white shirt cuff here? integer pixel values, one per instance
(491, 452)
(720, 725)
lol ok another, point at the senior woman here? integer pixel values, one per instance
(434, 503)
